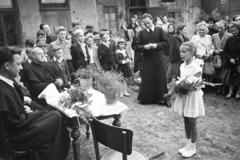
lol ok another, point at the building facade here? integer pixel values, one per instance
(20, 19)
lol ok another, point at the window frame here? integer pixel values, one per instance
(67, 8)
(14, 9)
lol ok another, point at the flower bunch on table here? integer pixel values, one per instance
(76, 98)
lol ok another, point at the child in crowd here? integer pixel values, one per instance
(106, 52)
(62, 64)
(190, 105)
(123, 60)
(64, 44)
(69, 38)
(80, 56)
(41, 36)
(44, 46)
(29, 45)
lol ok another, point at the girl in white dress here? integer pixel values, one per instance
(190, 106)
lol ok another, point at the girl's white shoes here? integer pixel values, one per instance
(181, 151)
(189, 153)
(189, 150)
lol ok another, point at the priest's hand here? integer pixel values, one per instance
(147, 46)
(27, 109)
(153, 45)
(27, 100)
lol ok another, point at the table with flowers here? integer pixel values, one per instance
(96, 105)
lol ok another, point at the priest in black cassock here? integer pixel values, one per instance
(153, 86)
(40, 74)
(41, 133)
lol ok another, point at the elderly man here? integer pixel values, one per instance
(40, 74)
(152, 40)
(40, 132)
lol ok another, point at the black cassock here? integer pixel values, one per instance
(153, 85)
(41, 133)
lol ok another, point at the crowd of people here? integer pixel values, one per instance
(157, 48)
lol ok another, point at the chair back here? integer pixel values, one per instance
(5, 150)
(119, 139)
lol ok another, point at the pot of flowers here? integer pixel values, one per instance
(109, 84)
(84, 77)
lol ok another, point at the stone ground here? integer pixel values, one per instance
(158, 129)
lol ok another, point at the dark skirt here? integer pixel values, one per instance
(231, 77)
(125, 69)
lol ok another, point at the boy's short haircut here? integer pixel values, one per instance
(42, 24)
(28, 51)
(41, 33)
(42, 45)
(145, 15)
(55, 49)
(89, 26)
(29, 42)
(75, 23)
(59, 29)
(102, 34)
(87, 36)
(78, 31)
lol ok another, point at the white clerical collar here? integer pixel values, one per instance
(8, 81)
(152, 28)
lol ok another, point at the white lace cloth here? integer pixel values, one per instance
(98, 106)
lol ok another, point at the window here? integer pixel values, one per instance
(134, 3)
(110, 16)
(54, 4)
(167, 1)
(6, 4)
(9, 23)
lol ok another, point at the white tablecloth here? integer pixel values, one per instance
(98, 106)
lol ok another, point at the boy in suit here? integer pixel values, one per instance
(80, 56)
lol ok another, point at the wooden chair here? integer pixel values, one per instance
(6, 153)
(116, 138)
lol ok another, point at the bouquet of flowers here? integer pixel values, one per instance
(76, 98)
(189, 84)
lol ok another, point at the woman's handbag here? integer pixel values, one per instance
(217, 61)
(208, 68)
(238, 66)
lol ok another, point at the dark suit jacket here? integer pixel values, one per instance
(51, 38)
(106, 54)
(78, 59)
(65, 74)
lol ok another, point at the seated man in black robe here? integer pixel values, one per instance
(40, 74)
(39, 132)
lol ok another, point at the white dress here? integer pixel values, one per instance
(190, 105)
